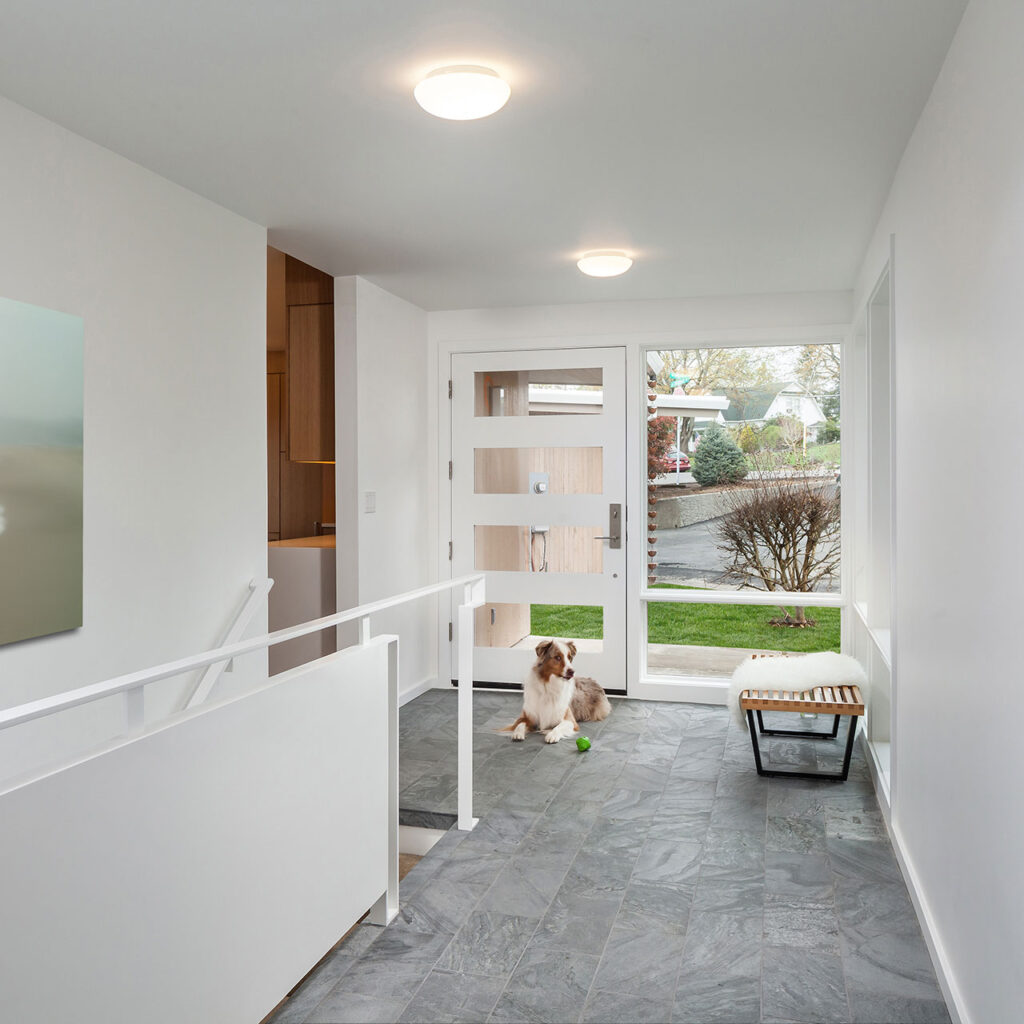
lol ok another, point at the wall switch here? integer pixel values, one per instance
(370, 501)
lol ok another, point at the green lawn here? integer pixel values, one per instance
(578, 622)
(824, 452)
(705, 625)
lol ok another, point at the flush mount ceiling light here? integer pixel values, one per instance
(462, 92)
(605, 263)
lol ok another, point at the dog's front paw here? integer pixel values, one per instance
(519, 732)
(552, 737)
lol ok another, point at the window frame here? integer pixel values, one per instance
(713, 689)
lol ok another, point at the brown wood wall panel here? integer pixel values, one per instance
(311, 383)
(301, 498)
(327, 498)
(511, 624)
(507, 470)
(517, 392)
(305, 285)
(274, 455)
(277, 307)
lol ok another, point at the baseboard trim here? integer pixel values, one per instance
(940, 961)
(878, 780)
(416, 689)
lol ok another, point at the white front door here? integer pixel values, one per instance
(538, 488)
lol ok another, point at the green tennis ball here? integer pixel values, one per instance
(582, 742)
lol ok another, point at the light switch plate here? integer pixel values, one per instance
(370, 501)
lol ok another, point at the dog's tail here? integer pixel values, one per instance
(602, 710)
(589, 702)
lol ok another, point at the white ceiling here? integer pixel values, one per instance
(735, 146)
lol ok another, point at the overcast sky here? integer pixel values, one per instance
(40, 367)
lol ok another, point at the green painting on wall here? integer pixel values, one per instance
(40, 471)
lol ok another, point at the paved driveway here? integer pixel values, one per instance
(691, 555)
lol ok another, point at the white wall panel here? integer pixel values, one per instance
(382, 345)
(171, 289)
(197, 872)
(956, 209)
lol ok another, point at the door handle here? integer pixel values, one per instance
(614, 535)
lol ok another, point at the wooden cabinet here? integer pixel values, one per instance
(274, 456)
(300, 397)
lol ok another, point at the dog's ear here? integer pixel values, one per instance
(572, 650)
(543, 648)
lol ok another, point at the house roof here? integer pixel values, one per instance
(754, 403)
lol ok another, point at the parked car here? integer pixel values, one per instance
(676, 460)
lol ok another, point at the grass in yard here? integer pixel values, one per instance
(704, 625)
(824, 452)
(572, 621)
(738, 625)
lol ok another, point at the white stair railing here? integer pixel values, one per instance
(131, 685)
(258, 591)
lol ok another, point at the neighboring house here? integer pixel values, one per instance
(756, 406)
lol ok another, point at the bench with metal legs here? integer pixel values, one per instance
(840, 701)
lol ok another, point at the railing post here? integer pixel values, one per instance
(364, 630)
(465, 676)
(385, 910)
(134, 710)
(258, 591)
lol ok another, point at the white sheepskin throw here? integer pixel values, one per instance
(800, 672)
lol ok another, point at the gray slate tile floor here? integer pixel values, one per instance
(655, 877)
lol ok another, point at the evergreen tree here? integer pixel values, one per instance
(718, 459)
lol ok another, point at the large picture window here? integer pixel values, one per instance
(744, 483)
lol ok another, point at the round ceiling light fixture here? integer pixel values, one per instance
(462, 92)
(605, 263)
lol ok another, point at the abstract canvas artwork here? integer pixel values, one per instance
(40, 471)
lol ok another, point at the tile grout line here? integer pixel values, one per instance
(604, 948)
(839, 934)
(550, 902)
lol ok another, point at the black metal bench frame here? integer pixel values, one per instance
(778, 772)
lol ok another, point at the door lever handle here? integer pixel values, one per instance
(614, 535)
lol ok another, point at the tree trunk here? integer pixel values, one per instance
(685, 433)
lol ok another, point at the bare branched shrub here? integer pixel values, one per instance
(781, 532)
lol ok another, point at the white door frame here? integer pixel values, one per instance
(635, 480)
(594, 512)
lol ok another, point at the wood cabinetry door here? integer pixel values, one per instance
(311, 383)
(274, 455)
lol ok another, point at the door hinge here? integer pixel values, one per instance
(449, 551)
(449, 389)
(451, 632)
(449, 469)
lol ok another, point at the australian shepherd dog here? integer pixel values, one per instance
(555, 698)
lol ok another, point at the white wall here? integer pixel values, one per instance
(957, 212)
(665, 322)
(384, 339)
(171, 289)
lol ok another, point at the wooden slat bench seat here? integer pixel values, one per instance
(841, 701)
